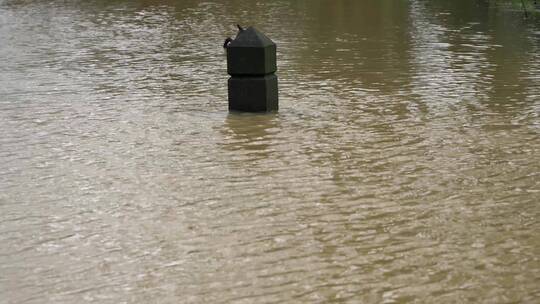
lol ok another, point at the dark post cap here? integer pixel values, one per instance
(251, 37)
(251, 53)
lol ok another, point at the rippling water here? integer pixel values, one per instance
(403, 165)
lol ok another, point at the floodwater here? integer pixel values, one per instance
(403, 165)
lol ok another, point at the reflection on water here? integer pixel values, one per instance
(403, 165)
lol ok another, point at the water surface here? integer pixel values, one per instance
(403, 165)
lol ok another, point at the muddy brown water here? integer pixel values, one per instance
(403, 165)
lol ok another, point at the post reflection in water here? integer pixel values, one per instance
(403, 165)
(245, 132)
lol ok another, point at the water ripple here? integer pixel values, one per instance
(402, 166)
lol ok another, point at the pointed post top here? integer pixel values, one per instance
(250, 37)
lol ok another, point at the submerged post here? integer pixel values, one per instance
(251, 62)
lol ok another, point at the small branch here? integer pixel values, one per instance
(524, 8)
